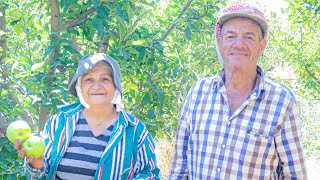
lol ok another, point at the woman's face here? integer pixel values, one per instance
(97, 86)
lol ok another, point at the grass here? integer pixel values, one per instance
(310, 126)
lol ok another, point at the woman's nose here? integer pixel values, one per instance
(96, 83)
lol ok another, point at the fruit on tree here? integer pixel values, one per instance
(18, 130)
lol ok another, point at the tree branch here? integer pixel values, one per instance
(3, 38)
(75, 43)
(9, 80)
(77, 20)
(302, 62)
(104, 44)
(9, 84)
(304, 65)
(310, 72)
(203, 15)
(44, 111)
(15, 101)
(316, 99)
(175, 21)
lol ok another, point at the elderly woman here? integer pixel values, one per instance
(95, 139)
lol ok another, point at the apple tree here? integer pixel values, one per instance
(161, 46)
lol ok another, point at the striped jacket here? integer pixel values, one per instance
(130, 153)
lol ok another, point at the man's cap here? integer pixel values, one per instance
(247, 11)
(89, 61)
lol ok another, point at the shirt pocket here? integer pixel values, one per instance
(256, 149)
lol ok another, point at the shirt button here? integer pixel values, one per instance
(218, 169)
(223, 146)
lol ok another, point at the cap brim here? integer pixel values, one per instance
(260, 21)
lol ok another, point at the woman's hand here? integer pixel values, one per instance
(36, 163)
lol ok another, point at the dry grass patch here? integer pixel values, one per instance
(164, 152)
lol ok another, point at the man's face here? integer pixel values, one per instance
(240, 45)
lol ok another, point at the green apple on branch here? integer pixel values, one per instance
(18, 130)
(34, 146)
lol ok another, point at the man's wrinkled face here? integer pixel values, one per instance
(240, 44)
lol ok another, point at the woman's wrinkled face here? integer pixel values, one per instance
(97, 85)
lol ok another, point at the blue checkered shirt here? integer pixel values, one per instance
(260, 140)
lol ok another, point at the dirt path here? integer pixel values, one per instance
(313, 169)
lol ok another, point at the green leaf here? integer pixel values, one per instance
(145, 99)
(132, 86)
(160, 96)
(3, 140)
(103, 12)
(14, 66)
(4, 167)
(132, 50)
(317, 10)
(11, 177)
(16, 13)
(122, 27)
(126, 54)
(36, 66)
(48, 50)
(148, 3)
(18, 28)
(122, 14)
(2, 33)
(97, 24)
(150, 113)
(140, 42)
(175, 72)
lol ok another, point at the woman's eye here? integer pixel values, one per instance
(106, 79)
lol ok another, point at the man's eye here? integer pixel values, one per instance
(88, 80)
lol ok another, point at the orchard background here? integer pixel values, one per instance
(163, 47)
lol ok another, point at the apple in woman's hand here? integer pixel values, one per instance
(34, 146)
(18, 130)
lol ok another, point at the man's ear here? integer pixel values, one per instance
(218, 40)
(263, 44)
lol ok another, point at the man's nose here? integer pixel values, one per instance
(239, 41)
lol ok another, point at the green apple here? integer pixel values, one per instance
(34, 146)
(18, 130)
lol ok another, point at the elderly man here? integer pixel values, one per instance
(239, 124)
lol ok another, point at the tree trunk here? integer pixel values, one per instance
(55, 37)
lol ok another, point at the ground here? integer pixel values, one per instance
(313, 168)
